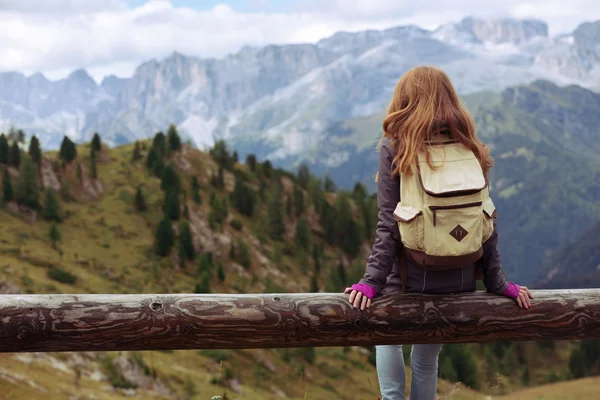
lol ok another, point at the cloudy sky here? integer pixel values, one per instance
(114, 36)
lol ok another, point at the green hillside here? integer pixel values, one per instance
(577, 265)
(161, 217)
(546, 181)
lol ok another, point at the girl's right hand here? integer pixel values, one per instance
(524, 297)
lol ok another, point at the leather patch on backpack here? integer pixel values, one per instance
(459, 233)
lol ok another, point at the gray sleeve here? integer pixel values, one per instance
(387, 240)
(493, 276)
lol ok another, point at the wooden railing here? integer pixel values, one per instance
(190, 321)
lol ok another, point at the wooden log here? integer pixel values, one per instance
(191, 321)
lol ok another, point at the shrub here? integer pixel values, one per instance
(62, 276)
(236, 224)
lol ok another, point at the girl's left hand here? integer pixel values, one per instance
(524, 297)
(358, 299)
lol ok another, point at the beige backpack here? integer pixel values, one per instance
(445, 214)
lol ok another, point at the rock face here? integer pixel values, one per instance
(505, 30)
(133, 373)
(7, 287)
(48, 175)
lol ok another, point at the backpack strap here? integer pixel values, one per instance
(402, 265)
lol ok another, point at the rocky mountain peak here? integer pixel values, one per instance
(498, 31)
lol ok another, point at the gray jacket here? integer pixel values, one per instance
(382, 268)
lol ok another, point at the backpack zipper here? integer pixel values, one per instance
(435, 209)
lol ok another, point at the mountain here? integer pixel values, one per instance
(477, 31)
(278, 101)
(577, 265)
(546, 180)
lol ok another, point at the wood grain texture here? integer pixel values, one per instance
(191, 321)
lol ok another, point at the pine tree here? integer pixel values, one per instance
(328, 219)
(275, 214)
(347, 232)
(329, 185)
(171, 206)
(35, 151)
(158, 166)
(93, 167)
(7, 190)
(186, 242)
(4, 149)
(137, 152)
(219, 209)
(303, 234)
(196, 191)
(232, 252)
(251, 162)
(341, 272)
(173, 138)
(139, 203)
(20, 136)
(242, 197)
(169, 179)
(205, 264)
(26, 188)
(298, 200)
(316, 259)
(303, 175)
(314, 284)
(220, 153)
(68, 150)
(243, 255)
(151, 158)
(267, 169)
(165, 237)
(235, 157)
(52, 209)
(262, 189)
(220, 179)
(96, 143)
(203, 285)
(54, 235)
(359, 194)
(159, 145)
(352, 240)
(15, 155)
(317, 194)
(220, 272)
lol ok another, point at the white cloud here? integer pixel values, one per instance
(59, 6)
(105, 36)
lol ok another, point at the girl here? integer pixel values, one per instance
(424, 107)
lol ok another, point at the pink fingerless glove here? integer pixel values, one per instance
(512, 290)
(365, 289)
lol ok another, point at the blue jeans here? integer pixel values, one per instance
(424, 366)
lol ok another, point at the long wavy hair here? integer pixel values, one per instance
(425, 104)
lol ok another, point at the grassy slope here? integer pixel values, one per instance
(108, 247)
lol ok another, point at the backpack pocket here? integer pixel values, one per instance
(489, 212)
(456, 229)
(410, 225)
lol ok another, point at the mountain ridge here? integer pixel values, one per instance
(285, 95)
